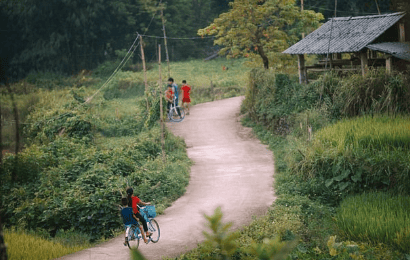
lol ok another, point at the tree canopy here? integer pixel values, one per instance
(260, 28)
(71, 35)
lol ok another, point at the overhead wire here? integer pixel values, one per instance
(177, 38)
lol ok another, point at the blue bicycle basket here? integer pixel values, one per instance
(149, 211)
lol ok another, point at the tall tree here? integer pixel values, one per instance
(260, 28)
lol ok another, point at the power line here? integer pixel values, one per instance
(178, 38)
(339, 11)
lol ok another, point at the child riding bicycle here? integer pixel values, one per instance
(134, 201)
(129, 218)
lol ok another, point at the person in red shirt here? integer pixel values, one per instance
(133, 201)
(186, 99)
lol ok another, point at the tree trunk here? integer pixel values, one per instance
(260, 50)
(263, 56)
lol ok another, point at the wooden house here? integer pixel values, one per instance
(377, 40)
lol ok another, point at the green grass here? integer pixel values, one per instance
(199, 74)
(375, 133)
(298, 211)
(376, 217)
(22, 246)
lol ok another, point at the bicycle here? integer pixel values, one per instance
(134, 233)
(173, 112)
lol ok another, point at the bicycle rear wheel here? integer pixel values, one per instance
(153, 227)
(133, 237)
(174, 116)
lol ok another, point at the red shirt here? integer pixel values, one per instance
(186, 89)
(169, 94)
(135, 201)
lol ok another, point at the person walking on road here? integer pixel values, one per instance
(186, 99)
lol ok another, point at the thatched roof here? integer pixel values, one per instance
(399, 50)
(345, 34)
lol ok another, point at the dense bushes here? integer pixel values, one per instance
(76, 165)
(75, 185)
(277, 100)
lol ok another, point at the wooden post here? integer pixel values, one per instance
(389, 64)
(402, 35)
(145, 72)
(161, 116)
(165, 41)
(301, 69)
(364, 62)
(212, 91)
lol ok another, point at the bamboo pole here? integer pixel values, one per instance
(161, 118)
(145, 72)
(165, 41)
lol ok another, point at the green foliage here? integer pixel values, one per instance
(280, 103)
(275, 100)
(87, 182)
(348, 157)
(376, 217)
(76, 165)
(375, 93)
(221, 239)
(260, 29)
(299, 210)
(259, 240)
(360, 154)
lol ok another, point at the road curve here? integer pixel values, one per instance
(231, 169)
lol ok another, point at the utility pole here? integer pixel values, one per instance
(378, 9)
(335, 8)
(161, 118)
(301, 9)
(145, 72)
(165, 41)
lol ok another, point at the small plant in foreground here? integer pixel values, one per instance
(220, 238)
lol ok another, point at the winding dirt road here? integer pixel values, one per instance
(231, 169)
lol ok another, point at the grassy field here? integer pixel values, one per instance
(25, 246)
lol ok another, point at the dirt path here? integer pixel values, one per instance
(231, 169)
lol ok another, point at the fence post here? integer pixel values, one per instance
(145, 72)
(160, 105)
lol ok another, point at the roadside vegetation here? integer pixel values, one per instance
(77, 157)
(342, 168)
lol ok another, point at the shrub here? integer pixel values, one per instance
(375, 93)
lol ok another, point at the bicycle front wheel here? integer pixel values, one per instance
(153, 227)
(133, 238)
(174, 116)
